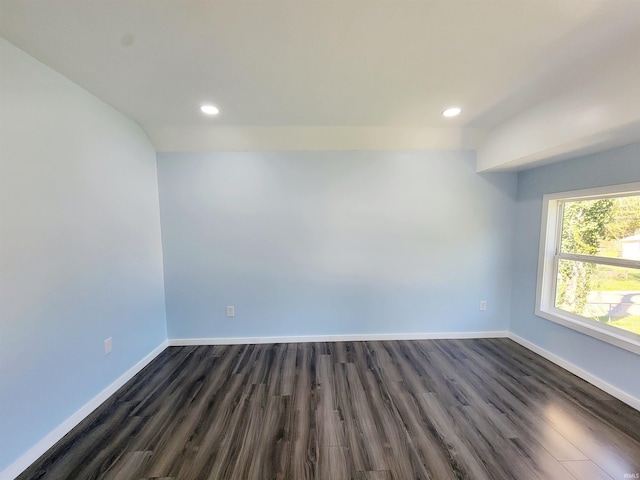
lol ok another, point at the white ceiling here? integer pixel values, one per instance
(327, 64)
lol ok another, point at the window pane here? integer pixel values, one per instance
(607, 227)
(607, 294)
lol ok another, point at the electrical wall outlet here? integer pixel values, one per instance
(107, 346)
(231, 311)
(483, 305)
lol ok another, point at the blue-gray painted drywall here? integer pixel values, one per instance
(80, 249)
(616, 366)
(323, 243)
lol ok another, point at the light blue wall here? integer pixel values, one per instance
(326, 243)
(80, 250)
(616, 366)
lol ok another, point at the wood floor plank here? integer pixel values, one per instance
(376, 475)
(362, 433)
(485, 409)
(303, 461)
(588, 469)
(128, 468)
(333, 463)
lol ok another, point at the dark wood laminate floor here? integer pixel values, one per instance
(434, 409)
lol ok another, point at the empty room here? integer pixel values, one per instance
(305, 239)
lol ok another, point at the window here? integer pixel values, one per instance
(589, 268)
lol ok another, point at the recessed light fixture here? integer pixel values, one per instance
(209, 109)
(451, 111)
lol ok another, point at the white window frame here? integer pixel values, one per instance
(550, 236)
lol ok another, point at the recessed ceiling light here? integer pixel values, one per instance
(209, 109)
(451, 112)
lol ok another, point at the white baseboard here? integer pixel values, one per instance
(592, 379)
(182, 342)
(21, 464)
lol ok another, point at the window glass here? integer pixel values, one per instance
(607, 227)
(607, 294)
(596, 269)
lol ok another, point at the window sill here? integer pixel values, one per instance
(584, 325)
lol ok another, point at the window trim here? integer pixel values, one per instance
(548, 258)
